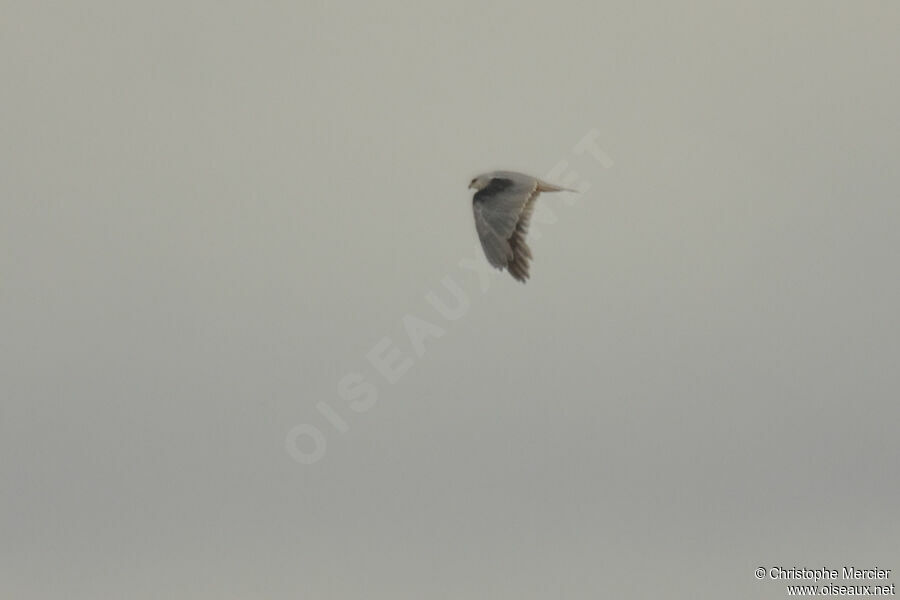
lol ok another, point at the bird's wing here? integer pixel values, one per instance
(499, 208)
(518, 266)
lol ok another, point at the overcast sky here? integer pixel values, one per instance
(249, 349)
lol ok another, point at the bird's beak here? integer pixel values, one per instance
(471, 185)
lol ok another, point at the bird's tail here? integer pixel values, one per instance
(543, 186)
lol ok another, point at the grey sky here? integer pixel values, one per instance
(211, 213)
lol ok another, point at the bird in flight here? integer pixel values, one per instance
(503, 203)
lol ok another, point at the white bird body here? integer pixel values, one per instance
(503, 204)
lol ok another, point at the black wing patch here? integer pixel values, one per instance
(497, 185)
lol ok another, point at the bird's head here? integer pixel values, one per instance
(479, 183)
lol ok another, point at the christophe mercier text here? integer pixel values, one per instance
(851, 573)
